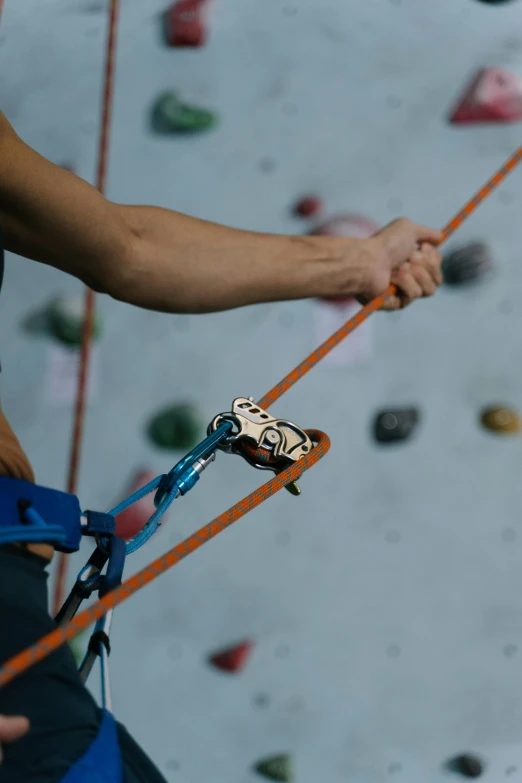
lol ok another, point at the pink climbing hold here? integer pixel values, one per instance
(134, 518)
(354, 226)
(348, 226)
(308, 206)
(186, 23)
(493, 95)
(232, 659)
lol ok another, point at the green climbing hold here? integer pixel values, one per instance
(177, 427)
(66, 316)
(171, 115)
(276, 768)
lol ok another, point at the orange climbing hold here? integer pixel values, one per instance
(185, 23)
(501, 419)
(232, 659)
(134, 518)
(494, 95)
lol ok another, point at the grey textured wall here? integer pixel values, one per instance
(386, 601)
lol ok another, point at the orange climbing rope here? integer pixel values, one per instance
(88, 322)
(59, 636)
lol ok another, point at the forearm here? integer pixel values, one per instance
(181, 264)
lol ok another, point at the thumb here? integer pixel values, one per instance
(430, 235)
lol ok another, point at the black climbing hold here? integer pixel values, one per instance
(395, 425)
(276, 768)
(467, 264)
(494, 2)
(467, 765)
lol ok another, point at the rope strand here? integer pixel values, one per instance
(90, 299)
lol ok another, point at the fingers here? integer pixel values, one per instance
(12, 728)
(418, 278)
(431, 260)
(420, 234)
(408, 287)
(402, 237)
(425, 281)
(431, 235)
(393, 303)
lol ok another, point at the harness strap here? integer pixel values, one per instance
(25, 509)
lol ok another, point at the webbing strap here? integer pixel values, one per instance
(29, 512)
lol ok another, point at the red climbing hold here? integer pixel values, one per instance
(349, 226)
(186, 24)
(308, 206)
(232, 659)
(134, 518)
(494, 95)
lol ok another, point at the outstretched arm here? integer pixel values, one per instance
(163, 260)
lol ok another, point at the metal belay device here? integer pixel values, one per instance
(263, 441)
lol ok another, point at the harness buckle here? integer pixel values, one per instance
(262, 440)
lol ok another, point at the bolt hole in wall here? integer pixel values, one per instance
(276, 630)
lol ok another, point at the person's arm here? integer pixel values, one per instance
(163, 260)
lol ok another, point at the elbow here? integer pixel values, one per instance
(119, 275)
(121, 284)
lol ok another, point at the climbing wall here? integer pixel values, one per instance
(381, 612)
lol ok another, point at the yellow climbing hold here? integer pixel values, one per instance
(500, 419)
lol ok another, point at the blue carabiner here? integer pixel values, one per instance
(183, 474)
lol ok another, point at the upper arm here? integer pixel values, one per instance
(50, 215)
